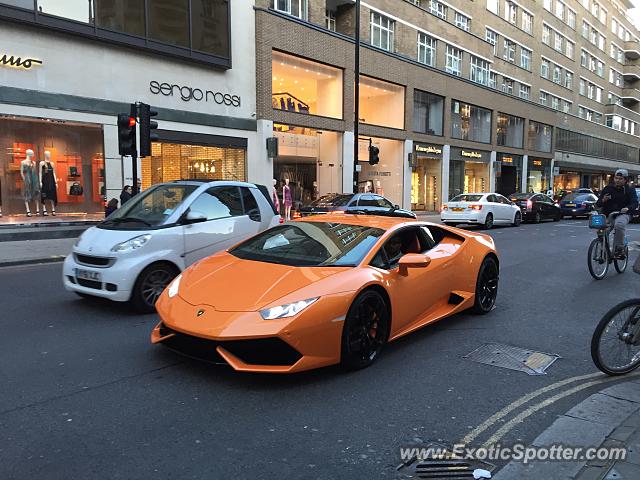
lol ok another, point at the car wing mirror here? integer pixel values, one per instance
(413, 260)
(194, 216)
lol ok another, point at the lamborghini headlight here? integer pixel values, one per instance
(288, 310)
(174, 287)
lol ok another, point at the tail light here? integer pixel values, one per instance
(444, 207)
(475, 207)
(529, 204)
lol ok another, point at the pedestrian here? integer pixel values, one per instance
(111, 207)
(125, 195)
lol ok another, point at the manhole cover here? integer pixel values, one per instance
(514, 358)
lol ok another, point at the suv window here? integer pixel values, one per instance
(219, 202)
(382, 202)
(250, 205)
(367, 201)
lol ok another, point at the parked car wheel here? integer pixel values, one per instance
(488, 221)
(486, 286)
(150, 284)
(517, 220)
(537, 218)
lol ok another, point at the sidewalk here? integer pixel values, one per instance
(27, 252)
(608, 419)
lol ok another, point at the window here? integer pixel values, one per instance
(560, 10)
(601, 42)
(585, 144)
(509, 51)
(568, 80)
(219, 202)
(330, 19)
(71, 9)
(209, 29)
(527, 22)
(525, 59)
(583, 86)
(428, 110)
(557, 74)
(492, 6)
(510, 12)
(469, 122)
(585, 30)
(300, 85)
(539, 136)
(438, 9)
(381, 103)
(426, 49)
(571, 18)
(453, 61)
(602, 16)
(614, 26)
(131, 20)
(250, 204)
(492, 38)
(548, 5)
(600, 68)
(525, 91)
(297, 8)
(479, 70)
(546, 35)
(558, 45)
(613, 99)
(584, 58)
(493, 80)
(555, 103)
(569, 48)
(566, 106)
(510, 130)
(462, 21)
(544, 68)
(544, 98)
(382, 32)
(507, 85)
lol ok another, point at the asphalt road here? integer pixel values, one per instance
(85, 396)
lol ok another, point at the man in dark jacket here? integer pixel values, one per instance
(618, 197)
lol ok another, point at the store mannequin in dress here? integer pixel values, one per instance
(276, 202)
(287, 199)
(30, 182)
(48, 184)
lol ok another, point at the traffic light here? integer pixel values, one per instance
(146, 126)
(126, 134)
(373, 155)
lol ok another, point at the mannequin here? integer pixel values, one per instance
(30, 186)
(287, 199)
(48, 184)
(276, 202)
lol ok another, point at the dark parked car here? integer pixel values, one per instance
(536, 207)
(578, 204)
(346, 202)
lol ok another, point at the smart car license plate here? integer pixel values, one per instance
(88, 275)
(457, 209)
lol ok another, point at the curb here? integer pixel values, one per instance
(33, 261)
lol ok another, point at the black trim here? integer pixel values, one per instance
(201, 139)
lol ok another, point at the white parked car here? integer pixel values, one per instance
(486, 209)
(142, 246)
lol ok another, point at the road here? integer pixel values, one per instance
(84, 395)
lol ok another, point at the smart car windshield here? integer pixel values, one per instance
(310, 244)
(150, 208)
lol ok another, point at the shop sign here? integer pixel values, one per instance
(471, 154)
(507, 159)
(537, 163)
(429, 149)
(187, 94)
(11, 61)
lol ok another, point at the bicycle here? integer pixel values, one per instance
(618, 332)
(600, 255)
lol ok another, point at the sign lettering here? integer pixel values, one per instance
(538, 163)
(18, 62)
(428, 149)
(507, 159)
(471, 154)
(186, 94)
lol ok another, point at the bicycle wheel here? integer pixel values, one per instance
(598, 260)
(615, 345)
(621, 265)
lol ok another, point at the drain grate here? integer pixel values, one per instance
(513, 358)
(444, 469)
(440, 463)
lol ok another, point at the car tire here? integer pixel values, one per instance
(150, 284)
(486, 286)
(488, 222)
(517, 219)
(538, 217)
(368, 313)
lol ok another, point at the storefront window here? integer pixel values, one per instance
(173, 161)
(426, 179)
(312, 162)
(468, 177)
(381, 103)
(427, 113)
(469, 122)
(510, 130)
(385, 178)
(126, 17)
(76, 156)
(169, 21)
(539, 137)
(302, 86)
(565, 182)
(210, 26)
(78, 10)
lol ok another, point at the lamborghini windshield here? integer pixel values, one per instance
(310, 244)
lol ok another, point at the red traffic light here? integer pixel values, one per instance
(132, 121)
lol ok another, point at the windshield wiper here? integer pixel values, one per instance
(128, 219)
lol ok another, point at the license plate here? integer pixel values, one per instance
(458, 209)
(570, 204)
(88, 275)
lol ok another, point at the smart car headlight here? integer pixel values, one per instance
(288, 310)
(132, 244)
(174, 287)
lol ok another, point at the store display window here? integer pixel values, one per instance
(381, 103)
(50, 166)
(302, 86)
(469, 122)
(539, 136)
(468, 177)
(510, 130)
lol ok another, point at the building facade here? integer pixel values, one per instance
(458, 96)
(68, 68)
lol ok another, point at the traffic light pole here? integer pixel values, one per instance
(356, 121)
(134, 154)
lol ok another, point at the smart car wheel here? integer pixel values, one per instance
(150, 284)
(366, 330)
(486, 286)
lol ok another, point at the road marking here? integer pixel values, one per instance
(472, 435)
(507, 427)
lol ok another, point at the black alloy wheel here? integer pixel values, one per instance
(150, 284)
(366, 330)
(538, 217)
(488, 222)
(486, 286)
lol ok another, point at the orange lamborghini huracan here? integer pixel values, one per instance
(324, 290)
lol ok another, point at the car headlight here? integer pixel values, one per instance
(174, 287)
(288, 310)
(132, 244)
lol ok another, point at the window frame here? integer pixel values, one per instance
(389, 29)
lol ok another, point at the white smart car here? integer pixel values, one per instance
(141, 247)
(486, 209)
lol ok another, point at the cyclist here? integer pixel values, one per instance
(618, 197)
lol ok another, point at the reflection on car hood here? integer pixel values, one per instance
(231, 284)
(98, 241)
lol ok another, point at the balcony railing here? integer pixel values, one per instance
(632, 49)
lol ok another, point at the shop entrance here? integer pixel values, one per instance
(425, 184)
(507, 182)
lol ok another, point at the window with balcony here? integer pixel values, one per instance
(453, 63)
(426, 49)
(469, 122)
(382, 30)
(428, 111)
(479, 72)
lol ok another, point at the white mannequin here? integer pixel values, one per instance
(31, 188)
(274, 195)
(47, 160)
(287, 199)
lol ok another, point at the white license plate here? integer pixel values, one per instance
(88, 275)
